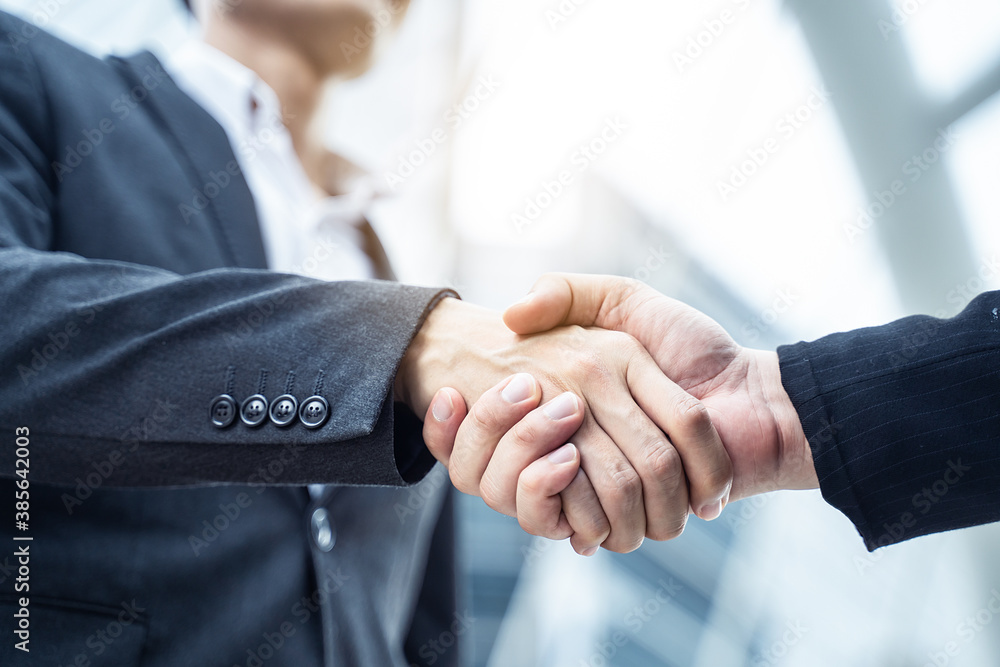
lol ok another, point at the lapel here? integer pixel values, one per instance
(203, 148)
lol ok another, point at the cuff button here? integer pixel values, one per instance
(283, 410)
(253, 412)
(314, 411)
(222, 411)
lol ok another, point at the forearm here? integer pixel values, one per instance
(112, 362)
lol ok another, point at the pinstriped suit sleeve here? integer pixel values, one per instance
(904, 421)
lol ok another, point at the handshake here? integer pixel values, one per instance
(667, 414)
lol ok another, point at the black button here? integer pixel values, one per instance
(283, 410)
(314, 411)
(254, 410)
(222, 411)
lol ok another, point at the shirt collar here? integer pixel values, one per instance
(244, 105)
(231, 92)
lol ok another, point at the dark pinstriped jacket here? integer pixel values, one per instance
(904, 421)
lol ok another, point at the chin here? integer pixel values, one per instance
(356, 69)
(351, 61)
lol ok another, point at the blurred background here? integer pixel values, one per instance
(791, 168)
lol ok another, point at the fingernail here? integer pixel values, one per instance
(711, 512)
(561, 406)
(441, 406)
(564, 454)
(521, 388)
(524, 299)
(589, 552)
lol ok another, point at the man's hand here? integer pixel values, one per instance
(740, 387)
(515, 426)
(635, 463)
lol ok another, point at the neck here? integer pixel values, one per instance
(297, 82)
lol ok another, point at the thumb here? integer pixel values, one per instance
(444, 416)
(560, 299)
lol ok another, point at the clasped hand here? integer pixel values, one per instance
(665, 412)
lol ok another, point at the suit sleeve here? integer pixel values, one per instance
(904, 421)
(112, 366)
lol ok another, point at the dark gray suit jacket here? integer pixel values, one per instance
(133, 294)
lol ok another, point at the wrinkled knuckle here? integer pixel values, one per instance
(525, 434)
(662, 463)
(485, 416)
(626, 343)
(593, 527)
(627, 286)
(626, 485)
(670, 531)
(589, 361)
(491, 494)
(623, 546)
(692, 415)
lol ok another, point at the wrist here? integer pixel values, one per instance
(407, 386)
(458, 346)
(796, 469)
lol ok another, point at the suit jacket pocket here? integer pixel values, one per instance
(64, 633)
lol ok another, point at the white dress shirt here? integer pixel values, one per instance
(304, 230)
